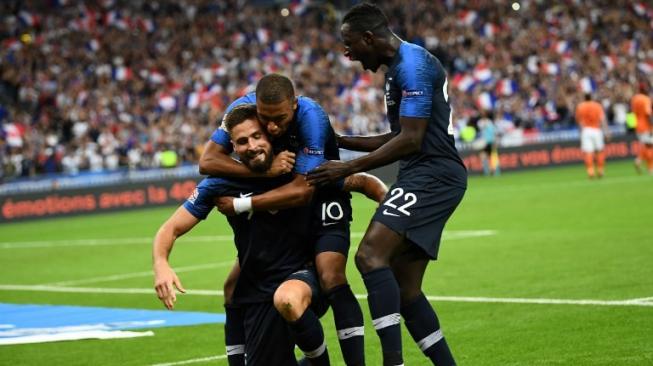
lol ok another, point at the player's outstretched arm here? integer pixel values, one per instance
(407, 142)
(363, 143)
(165, 279)
(369, 185)
(215, 161)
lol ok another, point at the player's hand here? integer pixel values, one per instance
(328, 172)
(165, 282)
(226, 205)
(282, 164)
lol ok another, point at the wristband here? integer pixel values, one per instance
(243, 204)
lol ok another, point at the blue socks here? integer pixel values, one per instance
(349, 324)
(309, 337)
(234, 335)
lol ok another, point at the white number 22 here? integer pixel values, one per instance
(409, 198)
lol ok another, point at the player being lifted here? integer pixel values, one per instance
(300, 125)
(405, 231)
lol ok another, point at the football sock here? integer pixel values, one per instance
(383, 299)
(589, 164)
(349, 324)
(309, 336)
(234, 335)
(423, 325)
(600, 162)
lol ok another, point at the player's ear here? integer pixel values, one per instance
(368, 37)
(294, 104)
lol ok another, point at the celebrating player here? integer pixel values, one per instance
(405, 231)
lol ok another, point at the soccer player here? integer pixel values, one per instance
(300, 125)
(641, 107)
(405, 231)
(591, 119)
(273, 256)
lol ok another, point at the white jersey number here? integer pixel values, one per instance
(409, 200)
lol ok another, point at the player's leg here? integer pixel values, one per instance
(419, 316)
(641, 154)
(347, 313)
(292, 300)
(600, 154)
(268, 339)
(379, 245)
(648, 153)
(586, 145)
(234, 329)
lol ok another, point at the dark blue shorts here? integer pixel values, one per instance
(419, 212)
(330, 222)
(319, 304)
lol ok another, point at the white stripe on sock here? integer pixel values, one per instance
(386, 321)
(430, 340)
(350, 332)
(316, 352)
(236, 349)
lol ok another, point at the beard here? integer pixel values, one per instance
(259, 163)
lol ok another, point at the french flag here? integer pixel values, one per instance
(263, 35)
(483, 74)
(121, 73)
(363, 81)
(551, 68)
(639, 9)
(193, 100)
(587, 85)
(464, 82)
(646, 67)
(468, 17)
(489, 30)
(486, 101)
(609, 61)
(561, 47)
(281, 46)
(146, 25)
(506, 87)
(12, 44)
(156, 77)
(28, 19)
(594, 46)
(93, 45)
(167, 102)
(299, 7)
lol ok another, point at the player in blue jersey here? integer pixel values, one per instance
(405, 232)
(299, 125)
(274, 257)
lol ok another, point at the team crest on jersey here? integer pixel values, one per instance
(193, 196)
(411, 93)
(313, 152)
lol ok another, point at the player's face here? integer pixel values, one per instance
(252, 145)
(358, 47)
(275, 118)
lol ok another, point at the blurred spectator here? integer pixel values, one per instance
(100, 85)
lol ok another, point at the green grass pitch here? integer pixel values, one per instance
(548, 234)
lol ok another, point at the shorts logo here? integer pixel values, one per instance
(411, 93)
(313, 152)
(193, 196)
(385, 212)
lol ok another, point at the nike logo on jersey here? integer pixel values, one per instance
(328, 223)
(385, 212)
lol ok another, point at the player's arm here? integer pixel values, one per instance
(165, 279)
(369, 185)
(216, 161)
(363, 143)
(407, 142)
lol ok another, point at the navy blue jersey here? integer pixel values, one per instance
(271, 245)
(416, 86)
(309, 135)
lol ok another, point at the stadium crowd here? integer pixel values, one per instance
(109, 84)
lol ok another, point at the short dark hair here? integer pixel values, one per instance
(238, 115)
(366, 17)
(274, 88)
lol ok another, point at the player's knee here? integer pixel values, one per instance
(228, 289)
(366, 260)
(408, 295)
(290, 303)
(331, 278)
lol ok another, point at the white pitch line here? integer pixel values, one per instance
(642, 299)
(125, 276)
(194, 360)
(509, 300)
(447, 235)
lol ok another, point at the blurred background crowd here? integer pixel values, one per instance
(102, 85)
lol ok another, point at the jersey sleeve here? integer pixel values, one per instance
(416, 79)
(314, 132)
(201, 201)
